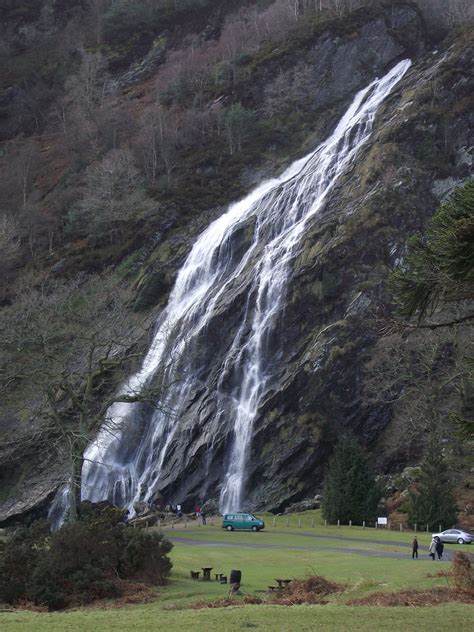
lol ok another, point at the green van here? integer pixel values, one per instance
(242, 521)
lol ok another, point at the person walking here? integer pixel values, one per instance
(432, 549)
(414, 548)
(439, 548)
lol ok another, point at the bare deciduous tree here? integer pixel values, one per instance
(71, 344)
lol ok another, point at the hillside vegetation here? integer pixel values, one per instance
(127, 126)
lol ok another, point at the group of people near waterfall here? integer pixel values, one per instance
(436, 548)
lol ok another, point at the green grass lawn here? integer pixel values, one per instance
(311, 523)
(264, 618)
(361, 574)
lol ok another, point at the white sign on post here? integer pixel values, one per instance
(382, 521)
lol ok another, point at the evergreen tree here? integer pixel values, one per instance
(439, 271)
(433, 503)
(350, 490)
(439, 266)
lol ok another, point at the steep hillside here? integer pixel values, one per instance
(117, 159)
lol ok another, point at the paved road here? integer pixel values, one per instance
(262, 545)
(345, 538)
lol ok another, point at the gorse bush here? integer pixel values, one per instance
(81, 562)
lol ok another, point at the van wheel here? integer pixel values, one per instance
(254, 528)
(460, 541)
(229, 528)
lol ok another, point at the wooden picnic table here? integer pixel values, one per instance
(282, 583)
(206, 573)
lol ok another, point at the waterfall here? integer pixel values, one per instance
(125, 461)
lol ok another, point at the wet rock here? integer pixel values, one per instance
(304, 505)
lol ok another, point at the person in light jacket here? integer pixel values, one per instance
(432, 549)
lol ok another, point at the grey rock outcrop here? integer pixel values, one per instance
(327, 337)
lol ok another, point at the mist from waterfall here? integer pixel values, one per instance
(125, 461)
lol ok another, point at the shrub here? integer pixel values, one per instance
(81, 562)
(144, 556)
(462, 572)
(18, 559)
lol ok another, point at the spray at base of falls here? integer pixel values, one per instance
(125, 461)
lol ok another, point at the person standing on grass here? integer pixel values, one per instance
(439, 548)
(432, 549)
(414, 548)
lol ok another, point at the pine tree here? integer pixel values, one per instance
(439, 271)
(350, 490)
(439, 266)
(433, 503)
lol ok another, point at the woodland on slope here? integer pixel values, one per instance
(126, 127)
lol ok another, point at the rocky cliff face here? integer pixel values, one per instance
(328, 343)
(330, 335)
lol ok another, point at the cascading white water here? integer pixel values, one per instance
(124, 468)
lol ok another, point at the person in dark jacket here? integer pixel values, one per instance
(414, 548)
(439, 548)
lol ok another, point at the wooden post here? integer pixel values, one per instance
(312, 523)
(350, 523)
(338, 523)
(299, 523)
(416, 526)
(401, 527)
(288, 521)
(325, 523)
(439, 528)
(363, 524)
(274, 521)
(426, 528)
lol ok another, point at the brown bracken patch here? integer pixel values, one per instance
(132, 593)
(226, 602)
(312, 589)
(417, 598)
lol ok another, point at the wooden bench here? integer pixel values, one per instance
(195, 574)
(220, 577)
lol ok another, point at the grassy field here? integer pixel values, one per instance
(264, 618)
(361, 574)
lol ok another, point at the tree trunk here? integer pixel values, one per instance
(77, 460)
